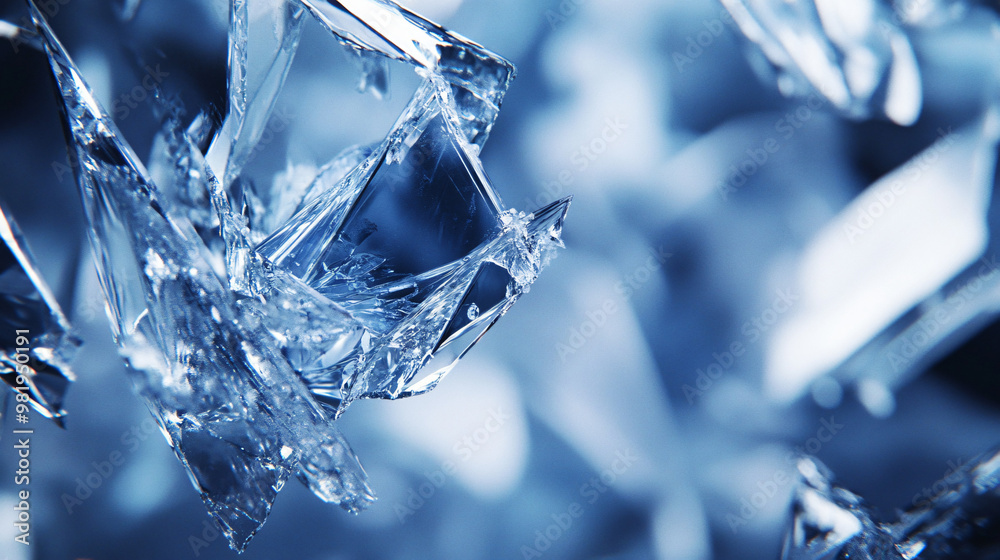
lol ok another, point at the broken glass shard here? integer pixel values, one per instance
(961, 522)
(257, 70)
(409, 242)
(252, 313)
(477, 79)
(849, 52)
(235, 412)
(830, 522)
(28, 308)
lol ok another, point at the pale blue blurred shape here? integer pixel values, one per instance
(131, 489)
(894, 246)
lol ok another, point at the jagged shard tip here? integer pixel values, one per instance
(30, 309)
(252, 321)
(960, 522)
(234, 411)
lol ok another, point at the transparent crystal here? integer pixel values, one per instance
(253, 312)
(397, 234)
(477, 78)
(850, 52)
(235, 412)
(26, 303)
(408, 242)
(257, 70)
(961, 522)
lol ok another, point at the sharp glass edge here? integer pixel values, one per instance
(196, 411)
(523, 254)
(479, 78)
(47, 374)
(960, 522)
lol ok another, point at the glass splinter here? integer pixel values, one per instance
(250, 323)
(28, 307)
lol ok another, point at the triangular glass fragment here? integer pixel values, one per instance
(28, 309)
(257, 70)
(420, 203)
(416, 244)
(827, 522)
(411, 358)
(233, 409)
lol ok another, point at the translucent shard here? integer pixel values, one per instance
(479, 78)
(257, 70)
(253, 311)
(416, 245)
(233, 409)
(829, 522)
(418, 203)
(28, 308)
(944, 219)
(961, 522)
(847, 51)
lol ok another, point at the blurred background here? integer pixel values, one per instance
(777, 245)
